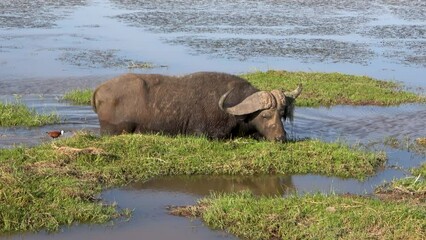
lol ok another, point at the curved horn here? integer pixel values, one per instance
(255, 102)
(223, 98)
(295, 93)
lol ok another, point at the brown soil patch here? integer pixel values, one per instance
(70, 151)
(402, 195)
(187, 211)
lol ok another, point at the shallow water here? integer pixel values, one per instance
(50, 47)
(150, 219)
(381, 38)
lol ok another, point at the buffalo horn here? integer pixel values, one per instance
(223, 98)
(295, 93)
(255, 102)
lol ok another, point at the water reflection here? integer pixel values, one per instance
(150, 220)
(204, 185)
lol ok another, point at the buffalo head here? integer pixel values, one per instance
(265, 111)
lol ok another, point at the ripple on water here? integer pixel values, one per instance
(34, 13)
(361, 123)
(247, 29)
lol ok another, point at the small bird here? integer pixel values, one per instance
(55, 134)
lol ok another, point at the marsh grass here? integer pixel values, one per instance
(17, 114)
(55, 184)
(411, 189)
(79, 96)
(312, 216)
(417, 145)
(319, 89)
(328, 89)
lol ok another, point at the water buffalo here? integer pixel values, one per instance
(216, 105)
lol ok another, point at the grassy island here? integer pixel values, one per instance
(319, 89)
(314, 216)
(54, 184)
(17, 114)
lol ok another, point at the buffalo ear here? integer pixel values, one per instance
(255, 102)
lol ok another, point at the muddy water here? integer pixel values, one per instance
(50, 47)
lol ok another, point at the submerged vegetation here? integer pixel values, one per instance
(17, 114)
(54, 184)
(328, 89)
(319, 89)
(417, 145)
(314, 216)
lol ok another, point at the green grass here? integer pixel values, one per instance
(319, 89)
(17, 114)
(54, 184)
(328, 89)
(79, 96)
(314, 216)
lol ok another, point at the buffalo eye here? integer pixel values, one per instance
(283, 112)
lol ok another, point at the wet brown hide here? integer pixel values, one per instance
(181, 105)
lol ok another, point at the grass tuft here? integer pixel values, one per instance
(17, 114)
(79, 96)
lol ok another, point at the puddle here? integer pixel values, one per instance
(149, 220)
(50, 47)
